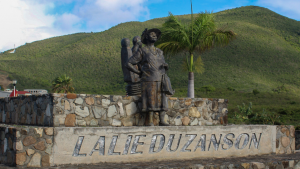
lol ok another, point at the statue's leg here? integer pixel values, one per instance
(150, 118)
(162, 119)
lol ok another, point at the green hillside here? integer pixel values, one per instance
(265, 55)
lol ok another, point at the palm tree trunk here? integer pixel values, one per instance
(191, 91)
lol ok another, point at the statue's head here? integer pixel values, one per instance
(125, 42)
(151, 35)
(136, 39)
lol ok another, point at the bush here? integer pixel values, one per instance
(230, 89)
(255, 91)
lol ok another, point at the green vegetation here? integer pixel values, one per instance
(199, 35)
(62, 84)
(264, 56)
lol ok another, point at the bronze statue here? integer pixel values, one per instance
(132, 79)
(153, 69)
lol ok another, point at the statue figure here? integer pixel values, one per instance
(153, 69)
(132, 79)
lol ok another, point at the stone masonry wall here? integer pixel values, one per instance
(285, 139)
(32, 110)
(72, 110)
(26, 146)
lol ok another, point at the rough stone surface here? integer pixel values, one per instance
(39, 131)
(29, 140)
(79, 100)
(297, 166)
(199, 103)
(81, 122)
(49, 141)
(194, 122)
(48, 149)
(257, 165)
(178, 121)
(71, 96)
(131, 108)
(46, 161)
(285, 141)
(19, 145)
(245, 165)
(89, 101)
(188, 102)
(116, 122)
(292, 131)
(94, 122)
(185, 121)
(129, 121)
(40, 146)
(67, 105)
(30, 151)
(98, 112)
(70, 120)
(35, 160)
(82, 112)
(112, 111)
(49, 131)
(20, 158)
(193, 112)
(105, 102)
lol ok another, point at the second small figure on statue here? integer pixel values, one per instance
(154, 80)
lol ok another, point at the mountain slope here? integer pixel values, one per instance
(264, 56)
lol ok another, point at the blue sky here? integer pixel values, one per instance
(25, 21)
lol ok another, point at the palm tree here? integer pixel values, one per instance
(62, 84)
(200, 35)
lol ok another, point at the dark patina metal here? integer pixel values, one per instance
(149, 63)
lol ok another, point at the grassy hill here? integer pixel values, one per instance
(265, 55)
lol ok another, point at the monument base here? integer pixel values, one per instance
(52, 146)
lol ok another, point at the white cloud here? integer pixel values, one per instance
(289, 8)
(26, 20)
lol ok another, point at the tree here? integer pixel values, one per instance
(62, 84)
(200, 35)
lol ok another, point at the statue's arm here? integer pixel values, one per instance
(133, 60)
(165, 65)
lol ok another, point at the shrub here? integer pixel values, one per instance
(255, 91)
(230, 89)
(207, 89)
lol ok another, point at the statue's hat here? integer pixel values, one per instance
(146, 32)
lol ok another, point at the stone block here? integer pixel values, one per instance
(105, 102)
(285, 141)
(20, 158)
(29, 140)
(19, 145)
(257, 165)
(81, 122)
(178, 121)
(79, 100)
(94, 122)
(46, 161)
(98, 112)
(194, 122)
(82, 112)
(71, 96)
(89, 100)
(39, 131)
(185, 121)
(116, 122)
(188, 102)
(193, 112)
(199, 103)
(70, 120)
(67, 105)
(30, 152)
(131, 109)
(49, 131)
(129, 121)
(111, 111)
(35, 160)
(49, 141)
(40, 146)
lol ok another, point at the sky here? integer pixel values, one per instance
(25, 21)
